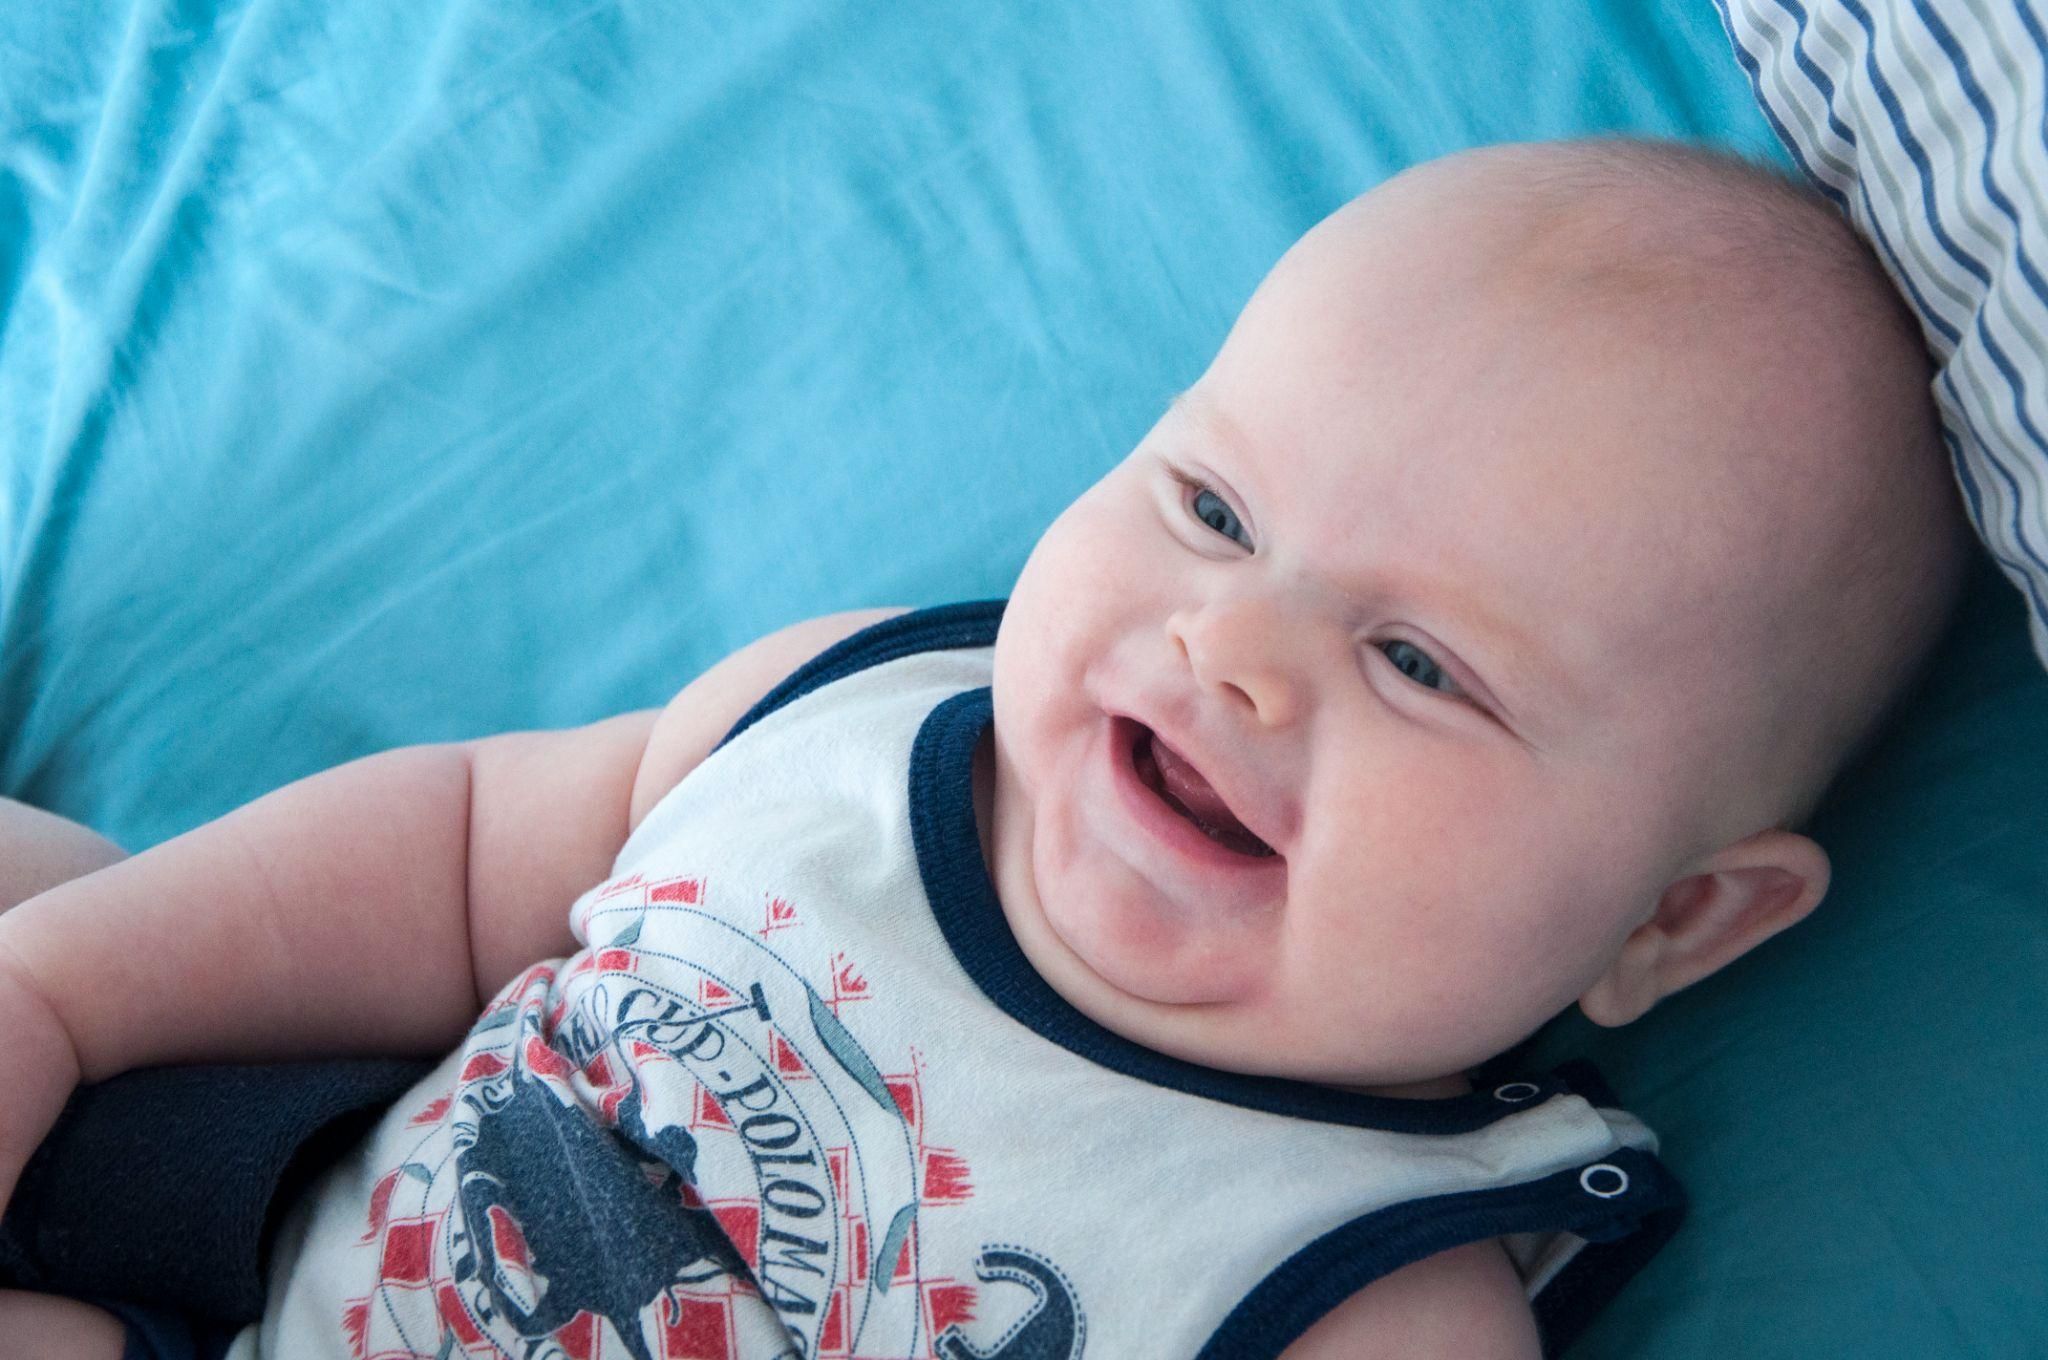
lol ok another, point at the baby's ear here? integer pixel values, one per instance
(1729, 904)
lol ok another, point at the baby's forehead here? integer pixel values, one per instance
(1590, 516)
(1712, 392)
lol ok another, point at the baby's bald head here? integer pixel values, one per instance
(1870, 539)
(1549, 524)
(1820, 528)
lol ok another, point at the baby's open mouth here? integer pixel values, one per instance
(1181, 787)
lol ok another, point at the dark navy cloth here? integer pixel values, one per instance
(156, 1335)
(162, 1187)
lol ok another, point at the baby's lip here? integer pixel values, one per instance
(1255, 804)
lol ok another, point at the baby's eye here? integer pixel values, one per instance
(1215, 512)
(1418, 666)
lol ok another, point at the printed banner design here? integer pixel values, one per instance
(677, 1148)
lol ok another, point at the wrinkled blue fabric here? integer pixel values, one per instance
(379, 373)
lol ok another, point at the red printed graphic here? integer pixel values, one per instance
(579, 1337)
(945, 1177)
(706, 1112)
(906, 1259)
(702, 1330)
(380, 1205)
(545, 1062)
(909, 1100)
(508, 1241)
(687, 891)
(481, 1066)
(456, 1317)
(832, 1335)
(788, 1062)
(779, 914)
(408, 1249)
(847, 984)
(355, 1321)
(741, 1220)
(945, 1303)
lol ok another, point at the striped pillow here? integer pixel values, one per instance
(1923, 120)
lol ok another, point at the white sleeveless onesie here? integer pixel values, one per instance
(800, 1095)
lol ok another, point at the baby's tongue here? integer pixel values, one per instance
(1193, 792)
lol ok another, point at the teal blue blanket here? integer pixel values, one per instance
(373, 374)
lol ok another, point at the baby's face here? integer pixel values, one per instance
(1423, 582)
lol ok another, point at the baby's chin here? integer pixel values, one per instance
(1120, 940)
(1099, 930)
(1126, 951)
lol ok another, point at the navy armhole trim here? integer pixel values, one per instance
(940, 628)
(1623, 1232)
(1568, 1305)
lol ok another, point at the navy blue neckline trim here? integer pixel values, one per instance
(971, 917)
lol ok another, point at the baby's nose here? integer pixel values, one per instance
(1240, 649)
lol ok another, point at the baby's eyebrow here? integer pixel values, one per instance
(1199, 408)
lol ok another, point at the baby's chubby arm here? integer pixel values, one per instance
(1465, 1302)
(370, 908)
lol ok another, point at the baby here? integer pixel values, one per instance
(1550, 528)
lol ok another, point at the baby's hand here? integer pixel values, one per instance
(38, 1068)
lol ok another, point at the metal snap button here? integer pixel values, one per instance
(1603, 1180)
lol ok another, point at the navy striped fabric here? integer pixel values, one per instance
(1923, 120)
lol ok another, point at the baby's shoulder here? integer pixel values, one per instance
(700, 715)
